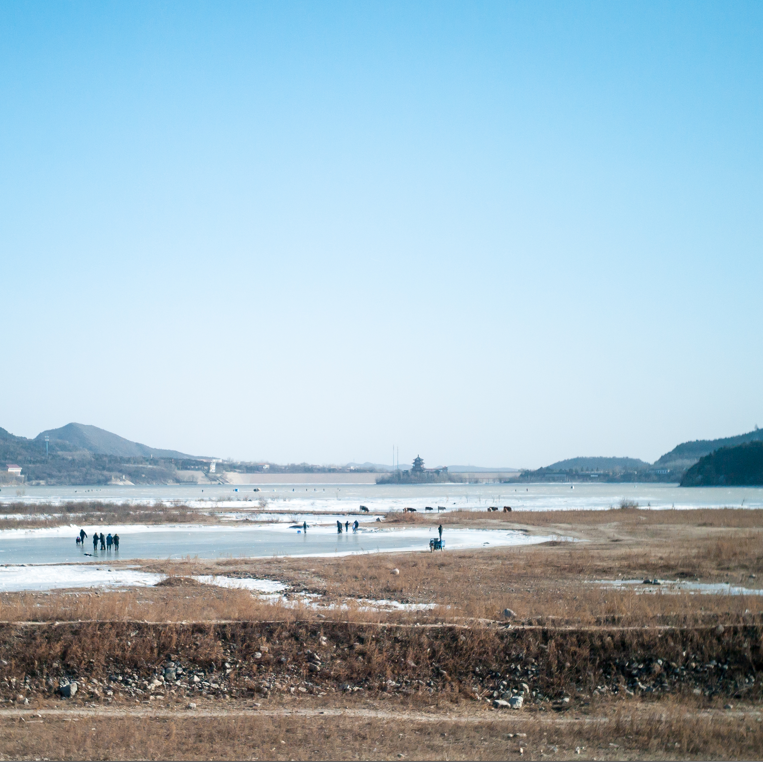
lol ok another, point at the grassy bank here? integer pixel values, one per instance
(238, 659)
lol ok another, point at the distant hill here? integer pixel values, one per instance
(102, 442)
(599, 464)
(740, 466)
(15, 449)
(688, 453)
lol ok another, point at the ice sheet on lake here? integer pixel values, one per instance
(64, 576)
(243, 583)
(342, 499)
(42, 577)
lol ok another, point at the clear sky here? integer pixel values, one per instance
(490, 233)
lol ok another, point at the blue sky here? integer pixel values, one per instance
(494, 233)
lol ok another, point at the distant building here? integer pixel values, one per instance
(14, 470)
(416, 475)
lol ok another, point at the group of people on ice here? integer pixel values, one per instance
(107, 542)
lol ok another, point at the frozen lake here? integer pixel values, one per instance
(384, 498)
(56, 545)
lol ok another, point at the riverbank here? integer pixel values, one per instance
(609, 672)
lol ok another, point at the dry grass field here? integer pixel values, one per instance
(290, 733)
(323, 674)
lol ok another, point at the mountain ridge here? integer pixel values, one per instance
(101, 442)
(686, 454)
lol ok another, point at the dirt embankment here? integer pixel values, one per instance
(549, 667)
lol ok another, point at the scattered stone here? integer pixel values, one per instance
(516, 702)
(501, 704)
(191, 705)
(728, 706)
(68, 690)
(396, 572)
(719, 630)
(508, 614)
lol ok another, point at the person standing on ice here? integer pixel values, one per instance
(109, 541)
(339, 527)
(103, 541)
(116, 541)
(82, 535)
(439, 529)
(95, 541)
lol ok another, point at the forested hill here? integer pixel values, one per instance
(740, 466)
(599, 464)
(78, 454)
(101, 442)
(688, 453)
(15, 449)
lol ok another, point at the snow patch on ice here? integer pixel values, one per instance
(41, 577)
(241, 583)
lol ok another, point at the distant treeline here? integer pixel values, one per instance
(615, 476)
